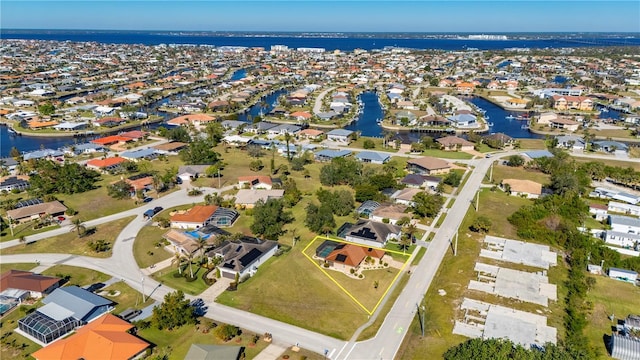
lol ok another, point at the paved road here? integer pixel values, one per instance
(390, 336)
(317, 107)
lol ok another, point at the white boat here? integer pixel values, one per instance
(510, 117)
(604, 110)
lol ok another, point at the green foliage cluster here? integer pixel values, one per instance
(46, 108)
(492, 349)
(454, 178)
(291, 193)
(119, 190)
(515, 160)
(178, 133)
(269, 218)
(199, 152)
(340, 202)
(175, 311)
(68, 178)
(371, 185)
(481, 224)
(427, 205)
(341, 171)
(227, 332)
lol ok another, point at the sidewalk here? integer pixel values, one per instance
(271, 352)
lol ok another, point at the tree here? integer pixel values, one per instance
(255, 165)
(119, 190)
(481, 224)
(287, 138)
(175, 311)
(199, 152)
(341, 171)
(368, 144)
(227, 332)
(340, 202)
(515, 161)
(177, 258)
(490, 349)
(46, 108)
(427, 205)
(68, 178)
(15, 153)
(78, 227)
(269, 217)
(404, 242)
(454, 179)
(215, 132)
(319, 218)
(255, 150)
(291, 193)
(22, 239)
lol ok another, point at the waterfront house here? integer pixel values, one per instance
(568, 102)
(109, 122)
(370, 233)
(140, 154)
(516, 103)
(340, 135)
(428, 166)
(8, 163)
(48, 154)
(198, 120)
(248, 198)
(70, 126)
(564, 123)
(105, 165)
(261, 127)
(433, 120)
(405, 118)
(106, 338)
(463, 119)
(244, 257)
(170, 148)
(373, 157)
(454, 143)
(570, 142)
(203, 215)
(547, 117)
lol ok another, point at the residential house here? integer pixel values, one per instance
(547, 117)
(10, 183)
(190, 172)
(140, 154)
(564, 123)
(243, 258)
(527, 188)
(340, 135)
(108, 122)
(198, 120)
(248, 198)
(391, 212)
(21, 285)
(622, 239)
(568, 102)
(112, 140)
(610, 146)
(373, 157)
(202, 215)
(536, 154)
(65, 309)
(405, 118)
(347, 257)
(8, 163)
(428, 165)
(106, 165)
(283, 129)
(598, 211)
(405, 196)
(255, 182)
(261, 127)
(624, 347)
(328, 155)
(454, 143)
(571, 142)
(499, 140)
(421, 181)
(622, 208)
(370, 233)
(217, 352)
(106, 338)
(311, 134)
(463, 119)
(516, 103)
(188, 242)
(36, 211)
(49, 154)
(170, 148)
(624, 224)
(623, 275)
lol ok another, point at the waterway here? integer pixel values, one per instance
(367, 120)
(262, 107)
(498, 117)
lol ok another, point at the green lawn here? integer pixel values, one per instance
(24, 229)
(176, 343)
(609, 297)
(21, 266)
(532, 144)
(501, 172)
(145, 248)
(13, 345)
(125, 296)
(166, 276)
(459, 155)
(379, 146)
(77, 275)
(619, 163)
(371, 331)
(70, 243)
(498, 206)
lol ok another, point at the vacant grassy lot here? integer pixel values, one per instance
(13, 345)
(176, 343)
(70, 243)
(371, 331)
(532, 144)
(77, 275)
(125, 296)
(24, 229)
(21, 266)
(612, 162)
(501, 172)
(459, 155)
(146, 249)
(609, 297)
(379, 144)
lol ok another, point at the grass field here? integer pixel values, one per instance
(609, 297)
(176, 343)
(501, 172)
(77, 275)
(532, 144)
(166, 276)
(124, 296)
(70, 243)
(371, 331)
(612, 162)
(145, 249)
(13, 345)
(24, 229)
(458, 155)
(21, 266)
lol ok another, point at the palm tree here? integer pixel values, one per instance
(178, 260)
(201, 242)
(190, 257)
(405, 242)
(410, 229)
(77, 226)
(287, 138)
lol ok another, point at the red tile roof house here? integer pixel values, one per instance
(255, 182)
(454, 143)
(345, 257)
(111, 140)
(31, 285)
(135, 135)
(202, 215)
(105, 165)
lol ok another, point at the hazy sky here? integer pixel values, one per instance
(333, 16)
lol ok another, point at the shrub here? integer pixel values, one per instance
(360, 276)
(352, 270)
(227, 332)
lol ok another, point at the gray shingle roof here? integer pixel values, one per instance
(80, 301)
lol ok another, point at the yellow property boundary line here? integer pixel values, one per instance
(369, 312)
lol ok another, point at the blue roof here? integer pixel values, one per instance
(462, 118)
(333, 153)
(630, 272)
(373, 156)
(340, 132)
(609, 143)
(80, 301)
(137, 154)
(39, 154)
(535, 154)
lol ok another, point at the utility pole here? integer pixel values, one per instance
(219, 181)
(491, 171)
(477, 200)
(420, 318)
(143, 299)
(455, 246)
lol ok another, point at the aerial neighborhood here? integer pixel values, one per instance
(228, 202)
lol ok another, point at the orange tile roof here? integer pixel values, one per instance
(105, 338)
(102, 163)
(26, 280)
(42, 124)
(185, 119)
(354, 254)
(111, 140)
(196, 214)
(139, 184)
(263, 179)
(302, 114)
